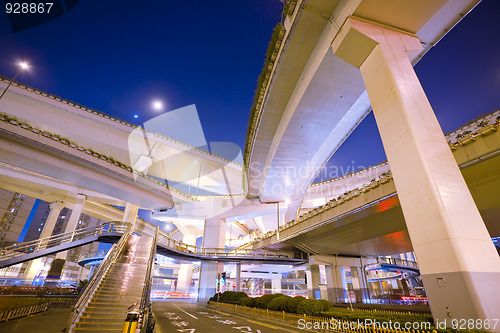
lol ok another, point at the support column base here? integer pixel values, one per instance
(336, 295)
(361, 294)
(463, 295)
(207, 281)
(315, 293)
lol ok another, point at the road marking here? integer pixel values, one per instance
(223, 313)
(157, 327)
(244, 318)
(185, 311)
(256, 322)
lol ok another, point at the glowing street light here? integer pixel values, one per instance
(22, 66)
(157, 105)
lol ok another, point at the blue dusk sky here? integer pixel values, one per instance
(118, 56)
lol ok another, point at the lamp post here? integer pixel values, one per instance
(22, 66)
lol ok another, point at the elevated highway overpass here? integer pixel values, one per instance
(332, 62)
(114, 146)
(311, 100)
(328, 58)
(360, 214)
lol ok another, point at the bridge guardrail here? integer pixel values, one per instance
(92, 254)
(397, 262)
(23, 248)
(164, 239)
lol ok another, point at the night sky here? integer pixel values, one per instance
(118, 56)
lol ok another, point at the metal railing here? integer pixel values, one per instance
(163, 240)
(144, 307)
(98, 276)
(92, 254)
(23, 248)
(330, 324)
(22, 311)
(398, 262)
(166, 241)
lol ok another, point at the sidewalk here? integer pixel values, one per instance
(50, 321)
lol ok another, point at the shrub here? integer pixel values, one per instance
(264, 300)
(237, 295)
(216, 297)
(226, 296)
(327, 306)
(310, 307)
(232, 297)
(279, 303)
(292, 303)
(248, 301)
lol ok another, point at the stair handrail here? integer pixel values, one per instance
(144, 308)
(96, 279)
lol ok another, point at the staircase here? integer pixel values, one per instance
(121, 288)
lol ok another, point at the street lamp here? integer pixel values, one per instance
(22, 66)
(157, 105)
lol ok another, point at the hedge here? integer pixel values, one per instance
(279, 303)
(264, 300)
(232, 297)
(248, 301)
(292, 303)
(310, 307)
(314, 307)
(327, 306)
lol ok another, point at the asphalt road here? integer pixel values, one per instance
(182, 316)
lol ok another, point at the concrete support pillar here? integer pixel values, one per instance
(213, 236)
(184, 278)
(130, 214)
(214, 233)
(208, 281)
(359, 284)
(76, 212)
(276, 285)
(335, 283)
(238, 276)
(186, 270)
(36, 265)
(74, 218)
(394, 283)
(458, 262)
(313, 280)
(48, 227)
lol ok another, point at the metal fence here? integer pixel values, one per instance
(318, 324)
(5, 315)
